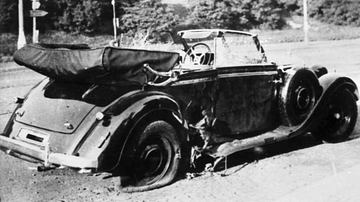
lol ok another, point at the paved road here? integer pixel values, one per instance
(14, 81)
(338, 56)
(339, 187)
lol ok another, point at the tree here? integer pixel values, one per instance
(180, 10)
(339, 12)
(233, 14)
(79, 15)
(149, 15)
(267, 14)
(221, 14)
(8, 15)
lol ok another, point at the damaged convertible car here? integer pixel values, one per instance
(137, 112)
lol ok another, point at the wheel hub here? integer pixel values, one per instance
(337, 116)
(152, 159)
(303, 98)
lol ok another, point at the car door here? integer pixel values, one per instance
(246, 98)
(195, 90)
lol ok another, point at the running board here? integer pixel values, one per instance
(227, 148)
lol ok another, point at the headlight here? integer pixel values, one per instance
(99, 116)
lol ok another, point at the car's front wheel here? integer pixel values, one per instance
(155, 157)
(340, 118)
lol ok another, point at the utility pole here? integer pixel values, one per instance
(306, 24)
(21, 40)
(114, 19)
(116, 41)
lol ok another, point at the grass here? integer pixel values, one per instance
(318, 32)
(63, 37)
(8, 44)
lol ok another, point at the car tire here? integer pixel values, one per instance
(298, 96)
(155, 157)
(340, 118)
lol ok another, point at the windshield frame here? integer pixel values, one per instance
(212, 34)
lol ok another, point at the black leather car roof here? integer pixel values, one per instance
(104, 65)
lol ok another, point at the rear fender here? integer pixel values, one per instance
(167, 115)
(8, 127)
(121, 118)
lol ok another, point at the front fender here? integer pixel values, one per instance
(121, 118)
(330, 84)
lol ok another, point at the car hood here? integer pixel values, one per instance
(62, 106)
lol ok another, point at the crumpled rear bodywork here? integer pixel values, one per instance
(56, 117)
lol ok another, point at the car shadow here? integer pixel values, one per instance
(297, 143)
(255, 154)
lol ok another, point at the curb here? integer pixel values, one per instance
(10, 67)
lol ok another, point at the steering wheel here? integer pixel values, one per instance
(195, 57)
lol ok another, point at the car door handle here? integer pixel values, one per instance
(277, 81)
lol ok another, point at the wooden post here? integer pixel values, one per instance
(21, 40)
(35, 38)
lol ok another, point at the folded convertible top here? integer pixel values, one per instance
(105, 65)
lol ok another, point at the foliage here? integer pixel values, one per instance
(267, 14)
(339, 12)
(292, 6)
(96, 16)
(8, 11)
(78, 15)
(7, 43)
(149, 15)
(180, 10)
(220, 14)
(233, 14)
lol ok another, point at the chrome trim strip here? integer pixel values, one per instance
(242, 74)
(192, 81)
(223, 75)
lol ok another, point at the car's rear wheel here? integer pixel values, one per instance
(155, 157)
(340, 118)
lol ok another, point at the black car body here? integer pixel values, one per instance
(135, 112)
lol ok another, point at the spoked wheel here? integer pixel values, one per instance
(156, 157)
(340, 118)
